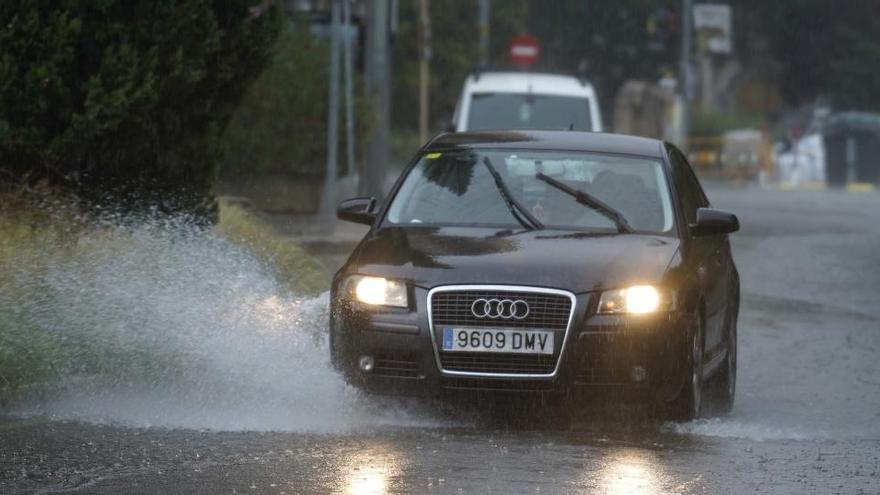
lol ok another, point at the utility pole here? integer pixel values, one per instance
(707, 82)
(424, 68)
(484, 33)
(379, 91)
(684, 71)
(330, 187)
(349, 89)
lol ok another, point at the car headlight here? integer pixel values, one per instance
(638, 299)
(377, 291)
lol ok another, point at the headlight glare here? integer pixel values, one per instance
(642, 299)
(378, 291)
(638, 299)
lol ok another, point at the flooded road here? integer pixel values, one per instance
(807, 417)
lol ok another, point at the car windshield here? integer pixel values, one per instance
(529, 111)
(457, 188)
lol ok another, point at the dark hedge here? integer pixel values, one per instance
(122, 101)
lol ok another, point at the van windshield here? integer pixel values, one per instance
(529, 111)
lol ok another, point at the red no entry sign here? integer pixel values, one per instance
(524, 50)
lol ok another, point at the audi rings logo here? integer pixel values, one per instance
(505, 309)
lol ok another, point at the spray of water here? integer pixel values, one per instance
(165, 324)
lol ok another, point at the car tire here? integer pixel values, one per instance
(724, 382)
(688, 404)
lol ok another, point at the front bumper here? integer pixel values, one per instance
(601, 352)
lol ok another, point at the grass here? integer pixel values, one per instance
(39, 232)
(28, 237)
(289, 262)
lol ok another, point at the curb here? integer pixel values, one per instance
(855, 187)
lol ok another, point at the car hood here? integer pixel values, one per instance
(578, 262)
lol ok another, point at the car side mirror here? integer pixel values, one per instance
(714, 222)
(357, 210)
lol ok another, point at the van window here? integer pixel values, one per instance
(529, 111)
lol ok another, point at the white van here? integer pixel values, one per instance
(521, 100)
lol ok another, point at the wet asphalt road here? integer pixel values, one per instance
(807, 418)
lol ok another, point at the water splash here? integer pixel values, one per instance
(166, 324)
(732, 428)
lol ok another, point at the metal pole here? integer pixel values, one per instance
(707, 103)
(379, 91)
(349, 89)
(424, 74)
(484, 33)
(850, 160)
(332, 118)
(684, 71)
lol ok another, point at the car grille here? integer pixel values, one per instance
(397, 367)
(498, 363)
(500, 385)
(603, 376)
(547, 311)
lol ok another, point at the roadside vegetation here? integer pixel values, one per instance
(49, 249)
(715, 124)
(292, 266)
(122, 102)
(280, 126)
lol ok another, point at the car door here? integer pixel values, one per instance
(706, 254)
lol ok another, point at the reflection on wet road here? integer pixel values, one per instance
(373, 470)
(105, 459)
(807, 418)
(629, 471)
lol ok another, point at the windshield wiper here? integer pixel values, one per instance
(588, 200)
(521, 214)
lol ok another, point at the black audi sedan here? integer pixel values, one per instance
(541, 262)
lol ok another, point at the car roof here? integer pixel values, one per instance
(527, 82)
(550, 140)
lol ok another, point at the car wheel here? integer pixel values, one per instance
(688, 404)
(724, 387)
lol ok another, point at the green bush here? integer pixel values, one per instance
(281, 125)
(291, 265)
(125, 98)
(714, 124)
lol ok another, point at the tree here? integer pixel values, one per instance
(281, 124)
(125, 98)
(824, 48)
(605, 42)
(455, 43)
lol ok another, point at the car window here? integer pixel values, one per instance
(529, 111)
(457, 188)
(689, 190)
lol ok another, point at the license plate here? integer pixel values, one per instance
(497, 340)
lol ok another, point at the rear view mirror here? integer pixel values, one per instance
(357, 210)
(714, 222)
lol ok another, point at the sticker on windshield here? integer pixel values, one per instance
(433, 156)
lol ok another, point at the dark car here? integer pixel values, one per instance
(543, 262)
